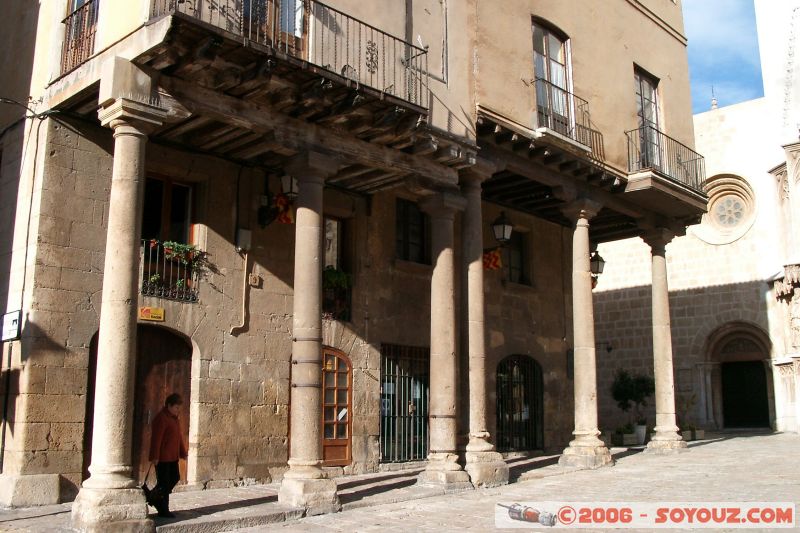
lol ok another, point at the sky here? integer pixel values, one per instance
(723, 52)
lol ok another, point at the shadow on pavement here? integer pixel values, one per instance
(369, 481)
(372, 491)
(188, 514)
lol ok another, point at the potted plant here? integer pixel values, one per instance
(624, 436)
(683, 409)
(632, 391)
(176, 251)
(336, 293)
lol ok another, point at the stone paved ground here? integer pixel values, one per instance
(729, 467)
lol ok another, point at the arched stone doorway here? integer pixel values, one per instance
(163, 366)
(520, 404)
(739, 385)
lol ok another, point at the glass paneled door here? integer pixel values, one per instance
(337, 382)
(404, 403)
(279, 22)
(553, 102)
(647, 114)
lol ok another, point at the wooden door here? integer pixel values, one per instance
(744, 395)
(337, 382)
(163, 366)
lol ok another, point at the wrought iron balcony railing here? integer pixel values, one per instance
(170, 270)
(80, 30)
(649, 148)
(563, 112)
(326, 37)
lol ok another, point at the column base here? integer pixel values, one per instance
(486, 469)
(666, 442)
(99, 510)
(316, 496)
(29, 490)
(444, 471)
(586, 454)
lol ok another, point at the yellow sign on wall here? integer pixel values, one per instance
(153, 314)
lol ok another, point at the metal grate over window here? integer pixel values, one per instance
(405, 398)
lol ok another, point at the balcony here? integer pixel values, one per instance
(347, 49)
(170, 270)
(650, 149)
(659, 164)
(80, 31)
(562, 114)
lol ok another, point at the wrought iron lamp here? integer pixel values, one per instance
(502, 228)
(289, 186)
(596, 263)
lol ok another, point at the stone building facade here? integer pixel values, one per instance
(286, 220)
(732, 277)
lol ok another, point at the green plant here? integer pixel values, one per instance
(627, 428)
(333, 278)
(632, 391)
(180, 284)
(185, 253)
(683, 408)
(155, 278)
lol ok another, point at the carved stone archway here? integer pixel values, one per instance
(737, 355)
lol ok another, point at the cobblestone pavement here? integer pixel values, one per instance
(727, 467)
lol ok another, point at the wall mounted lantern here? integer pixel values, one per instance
(596, 263)
(502, 228)
(289, 186)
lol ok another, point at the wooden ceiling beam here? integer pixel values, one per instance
(298, 135)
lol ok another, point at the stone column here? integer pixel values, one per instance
(666, 438)
(304, 484)
(110, 497)
(484, 465)
(443, 468)
(586, 450)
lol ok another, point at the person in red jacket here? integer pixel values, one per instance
(166, 447)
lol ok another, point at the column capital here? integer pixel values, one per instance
(473, 176)
(581, 208)
(658, 238)
(311, 165)
(443, 204)
(143, 117)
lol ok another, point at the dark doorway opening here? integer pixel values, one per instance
(744, 395)
(520, 404)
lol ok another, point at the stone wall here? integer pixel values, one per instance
(623, 322)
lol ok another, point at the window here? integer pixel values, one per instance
(81, 26)
(553, 100)
(731, 209)
(336, 280)
(170, 267)
(167, 211)
(333, 243)
(413, 228)
(647, 115)
(515, 259)
(646, 98)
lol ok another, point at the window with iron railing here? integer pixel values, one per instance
(80, 30)
(170, 264)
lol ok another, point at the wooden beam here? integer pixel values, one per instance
(546, 176)
(299, 135)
